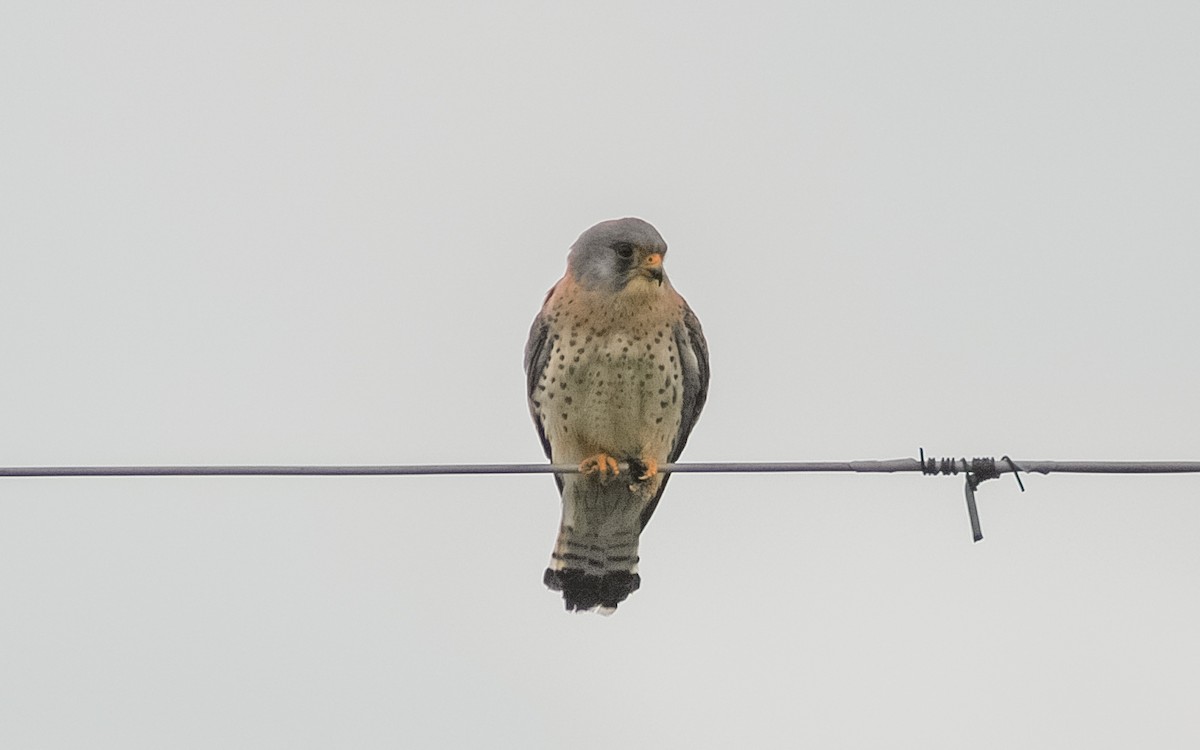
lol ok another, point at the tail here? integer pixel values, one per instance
(595, 559)
(584, 592)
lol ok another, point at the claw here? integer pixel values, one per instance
(645, 468)
(601, 463)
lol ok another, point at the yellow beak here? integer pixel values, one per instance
(653, 267)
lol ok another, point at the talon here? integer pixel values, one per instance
(601, 463)
(650, 468)
(644, 468)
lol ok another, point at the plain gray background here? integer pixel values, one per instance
(253, 232)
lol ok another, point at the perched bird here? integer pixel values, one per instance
(617, 371)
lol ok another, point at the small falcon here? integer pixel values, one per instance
(616, 368)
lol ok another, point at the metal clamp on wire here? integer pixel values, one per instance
(977, 471)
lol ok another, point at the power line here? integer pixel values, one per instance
(904, 464)
(974, 470)
(887, 466)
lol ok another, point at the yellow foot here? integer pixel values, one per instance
(601, 463)
(646, 468)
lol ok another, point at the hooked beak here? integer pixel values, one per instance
(652, 267)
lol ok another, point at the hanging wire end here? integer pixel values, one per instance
(1015, 470)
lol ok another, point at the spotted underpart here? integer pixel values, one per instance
(616, 365)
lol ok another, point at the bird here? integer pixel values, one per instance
(617, 373)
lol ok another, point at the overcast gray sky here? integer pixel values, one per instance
(266, 232)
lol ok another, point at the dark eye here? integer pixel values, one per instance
(623, 249)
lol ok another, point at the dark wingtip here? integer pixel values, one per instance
(582, 591)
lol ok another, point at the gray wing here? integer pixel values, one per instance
(693, 356)
(693, 353)
(537, 355)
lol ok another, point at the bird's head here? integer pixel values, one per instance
(618, 254)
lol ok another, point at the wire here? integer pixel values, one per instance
(889, 466)
(976, 470)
